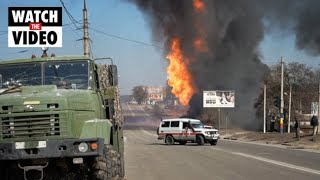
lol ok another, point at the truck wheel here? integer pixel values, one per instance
(106, 167)
(214, 142)
(200, 140)
(169, 140)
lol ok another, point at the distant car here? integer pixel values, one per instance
(133, 102)
(183, 130)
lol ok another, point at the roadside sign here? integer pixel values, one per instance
(219, 99)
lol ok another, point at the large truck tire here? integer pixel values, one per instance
(106, 167)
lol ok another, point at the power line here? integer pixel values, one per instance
(68, 24)
(73, 21)
(126, 39)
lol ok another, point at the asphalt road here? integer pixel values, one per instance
(149, 158)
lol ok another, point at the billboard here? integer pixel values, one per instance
(155, 93)
(219, 99)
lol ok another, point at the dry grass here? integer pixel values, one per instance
(306, 140)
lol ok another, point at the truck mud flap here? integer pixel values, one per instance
(35, 168)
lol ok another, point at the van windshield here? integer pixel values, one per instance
(196, 124)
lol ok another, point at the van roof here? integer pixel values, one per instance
(181, 119)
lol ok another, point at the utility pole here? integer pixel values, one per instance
(219, 118)
(226, 122)
(264, 107)
(281, 106)
(319, 104)
(85, 31)
(289, 118)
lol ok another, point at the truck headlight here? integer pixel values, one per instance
(207, 132)
(83, 147)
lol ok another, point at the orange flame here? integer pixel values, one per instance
(179, 77)
(198, 4)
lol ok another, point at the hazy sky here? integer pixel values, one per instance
(138, 64)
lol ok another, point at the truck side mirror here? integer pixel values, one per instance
(113, 75)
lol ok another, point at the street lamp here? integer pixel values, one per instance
(318, 94)
(318, 79)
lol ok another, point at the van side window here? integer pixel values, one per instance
(175, 123)
(165, 124)
(184, 125)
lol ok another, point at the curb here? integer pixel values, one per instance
(272, 144)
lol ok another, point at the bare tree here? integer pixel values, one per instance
(139, 94)
(304, 90)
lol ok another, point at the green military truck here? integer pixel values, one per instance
(60, 116)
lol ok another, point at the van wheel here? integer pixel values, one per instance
(214, 142)
(182, 142)
(169, 140)
(157, 131)
(200, 140)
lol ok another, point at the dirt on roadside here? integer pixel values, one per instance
(307, 141)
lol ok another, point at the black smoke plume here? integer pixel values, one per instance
(233, 31)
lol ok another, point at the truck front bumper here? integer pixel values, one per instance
(49, 149)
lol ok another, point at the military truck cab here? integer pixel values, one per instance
(60, 114)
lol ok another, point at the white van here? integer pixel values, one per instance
(183, 130)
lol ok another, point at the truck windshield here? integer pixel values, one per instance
(67, 75)
(20, 75)
(197, 125)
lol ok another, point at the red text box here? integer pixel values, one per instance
(35, 26)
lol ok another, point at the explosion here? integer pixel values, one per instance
(179, 77)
